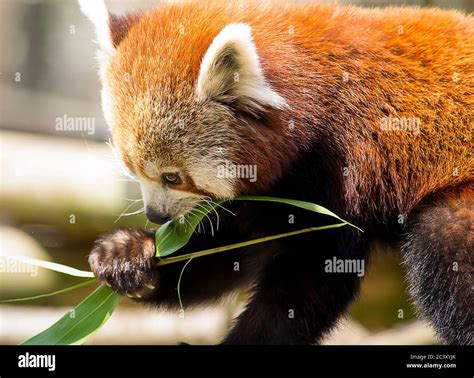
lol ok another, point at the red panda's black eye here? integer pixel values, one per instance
(171, 178)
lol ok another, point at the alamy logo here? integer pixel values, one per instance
(47, 361)
(67, 123)
(237, 171)
(409, 124)
(13, 265)
(336, 265)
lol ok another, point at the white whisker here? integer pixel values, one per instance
(209, 219)
(205, 213)
(190, 225)
(128, 214)
(213, 209)
(127, 180)
(208, 199)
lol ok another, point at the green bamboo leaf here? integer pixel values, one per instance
(82, 322)
(301, 204)
(190, 256)
(70, 288)
(174, 235)
(95, 310)
(179, 258)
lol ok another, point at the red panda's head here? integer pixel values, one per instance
(191, 111)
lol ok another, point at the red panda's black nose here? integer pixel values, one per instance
(156, 217)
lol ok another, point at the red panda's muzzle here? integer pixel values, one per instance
(155, 216)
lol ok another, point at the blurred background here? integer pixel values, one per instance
(61, 188)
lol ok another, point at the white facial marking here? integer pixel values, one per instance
(153, 170)
(166, 201)
(203, 173)
(206, 177)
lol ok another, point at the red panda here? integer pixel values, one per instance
(365, 111)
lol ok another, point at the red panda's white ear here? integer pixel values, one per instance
(231, 73)
(97, 12)
(110, 29)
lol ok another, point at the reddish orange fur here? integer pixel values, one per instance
(426, 72)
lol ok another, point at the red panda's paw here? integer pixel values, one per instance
(125, 260)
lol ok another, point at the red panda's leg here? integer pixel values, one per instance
(125, 260)
(297, 300)
(439, 257)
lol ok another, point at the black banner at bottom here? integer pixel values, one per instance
(291, 361)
